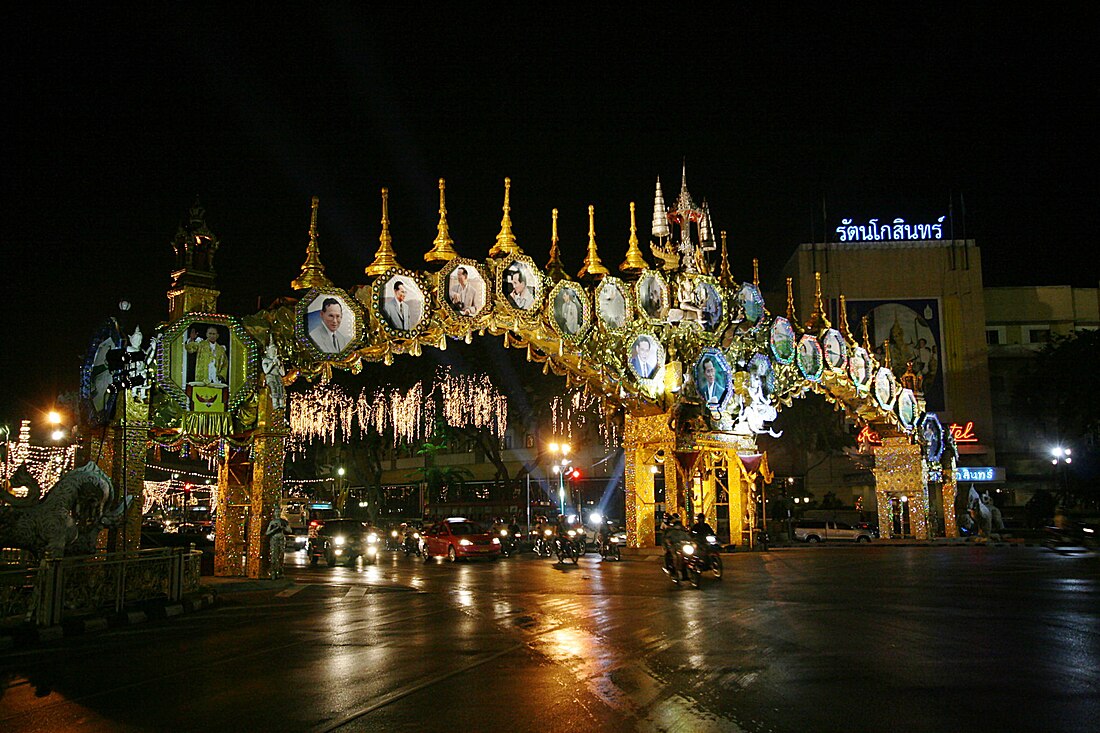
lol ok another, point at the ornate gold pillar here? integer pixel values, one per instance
(948, 490)
(230, 546)
(122, 457)
(643, 437)
(268, 455)
(900, 473)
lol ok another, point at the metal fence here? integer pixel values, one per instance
(77, 586)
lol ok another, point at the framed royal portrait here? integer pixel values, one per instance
(810, 358)
(329, 323)
(521, 288)
(885, 388)
(835, 348)
(401, 300)
(782, 340)
(570, 312)
(645, 356)
(859, 368)
(97, 393)
(652, 296)
(906, 408)
(463, 286)
(751, 302)
(613, 312)
(209, 364)
(932, 435)
(712, 374)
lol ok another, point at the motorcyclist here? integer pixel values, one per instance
(513, 529)
(604, 536)
(673, 535)
(700, 531)
(561, 530)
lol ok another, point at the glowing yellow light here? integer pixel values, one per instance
(53, 417)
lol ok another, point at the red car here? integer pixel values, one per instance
(458, 539)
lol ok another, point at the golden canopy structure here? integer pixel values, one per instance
(693, 358)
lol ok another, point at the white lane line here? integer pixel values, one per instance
(291, 591)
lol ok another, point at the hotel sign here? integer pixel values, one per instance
(898, 230)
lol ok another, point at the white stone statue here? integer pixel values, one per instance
(276, 538)
(274, 371)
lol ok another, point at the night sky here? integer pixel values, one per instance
(116, 121)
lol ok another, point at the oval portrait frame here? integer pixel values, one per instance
(780, 333)
(932, 431)
(885, 388)
(859, 356)
(96, 380)
(641, 295)
(659, 357)
(442, 291)
(715, 355)
(628, 311)
(833, 336)
(906, 408)
(378, 297)
(810, 358)
(584, 305)
(302, 327)
(751, 301)
(504, 302)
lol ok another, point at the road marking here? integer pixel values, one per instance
(356, 591)
(291, 591)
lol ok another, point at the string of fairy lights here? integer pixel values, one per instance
(327, 414)
(45, 463)
(575, 411)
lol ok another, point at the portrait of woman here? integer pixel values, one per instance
(611, 305)
(568, 310)
(652, 295)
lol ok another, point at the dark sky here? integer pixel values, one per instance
(115, 122)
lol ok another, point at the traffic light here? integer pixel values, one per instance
(575, 475)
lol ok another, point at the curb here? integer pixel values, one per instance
(30, 635)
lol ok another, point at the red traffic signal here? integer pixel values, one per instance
(575, 475)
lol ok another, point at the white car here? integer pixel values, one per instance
(821, 530)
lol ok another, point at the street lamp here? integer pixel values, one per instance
(1060, 459)
(561, 467)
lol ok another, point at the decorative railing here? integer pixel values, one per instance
(82, 585)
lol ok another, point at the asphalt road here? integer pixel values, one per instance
(866, 638)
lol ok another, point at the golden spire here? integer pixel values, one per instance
(506, 241)
(725, 278)
(843, 325)
(384, 258)
(443, 248)
(866, 338)
(791, 316)
(313, 272)
(756, 272)
(554, 268)
(818, 321)
(886, 353)
(634, 262)
(592, 265)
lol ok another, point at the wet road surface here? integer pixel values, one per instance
(819, 639)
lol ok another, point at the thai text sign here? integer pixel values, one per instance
(898, 230)
(979, 473)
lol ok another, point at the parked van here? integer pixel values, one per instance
(820, 530)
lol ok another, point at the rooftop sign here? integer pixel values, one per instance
(873, 231)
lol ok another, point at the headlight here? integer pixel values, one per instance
(547, 533)
(337, 541)
(689, 549)
(465, 542)
(496, 541)
(416, 535)
(210, 536)
(372, 551)
(572, 533)
(372, 538)
(503, 533)
(712, 539)
(393, 533)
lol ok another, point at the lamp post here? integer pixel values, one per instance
(561, 466)
(1060, 459)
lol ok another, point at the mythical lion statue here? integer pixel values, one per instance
(67, 520)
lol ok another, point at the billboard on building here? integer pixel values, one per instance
(914, 330)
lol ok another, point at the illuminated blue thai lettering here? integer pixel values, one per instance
(897, 230)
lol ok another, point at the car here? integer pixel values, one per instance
(343, 540)
(458, 539)
(821, 530)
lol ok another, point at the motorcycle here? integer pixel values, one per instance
(566, 547)
(609, 548)
(688, 561)
(1075, 537)
(509, 543)
(542, 546)
(411, 545)
(393, 540)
